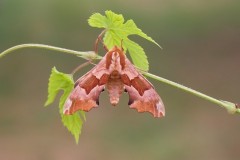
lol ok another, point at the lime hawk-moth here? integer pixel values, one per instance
(116, 74)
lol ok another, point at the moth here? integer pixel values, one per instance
(116, 74)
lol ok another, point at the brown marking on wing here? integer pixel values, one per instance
(140, 85)
(84, 105)
(125, 79)
(103, 80)
(89, 83)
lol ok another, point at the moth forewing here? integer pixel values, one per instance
(115, 73)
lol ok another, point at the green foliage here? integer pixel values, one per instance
(117, 31)
(60, 81)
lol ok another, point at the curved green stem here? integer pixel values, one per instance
(231, 107)
(86, 55)
(90, 55)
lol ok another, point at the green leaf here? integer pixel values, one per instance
(117, 30)
(139, 58)
(131, 27)
(97, 20)
(60, 81)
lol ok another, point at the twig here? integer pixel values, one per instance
(86, 55)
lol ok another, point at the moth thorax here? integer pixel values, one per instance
(115, 75)
(115, 62)
(115, 57)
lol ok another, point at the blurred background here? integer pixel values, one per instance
(201, 49)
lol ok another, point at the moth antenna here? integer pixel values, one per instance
(105, 47)
(92, 63)
(99, 38)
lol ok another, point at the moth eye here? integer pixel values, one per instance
(125, 90)
(103, 90)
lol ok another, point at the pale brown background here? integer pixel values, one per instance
(201, 41)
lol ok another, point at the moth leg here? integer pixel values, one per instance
(81, 66)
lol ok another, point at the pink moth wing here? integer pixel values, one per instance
(117, 74)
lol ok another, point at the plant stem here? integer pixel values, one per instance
(90, 55)
(86, 55)
(231, 107)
